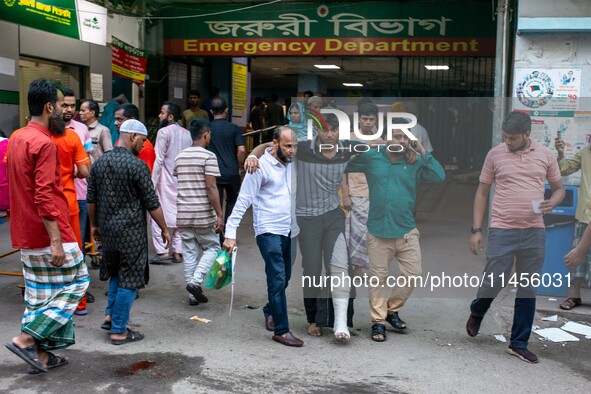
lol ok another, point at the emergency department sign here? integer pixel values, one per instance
(368, 29)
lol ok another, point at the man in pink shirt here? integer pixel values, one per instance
(518, 169)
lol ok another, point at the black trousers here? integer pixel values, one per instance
(231, 190)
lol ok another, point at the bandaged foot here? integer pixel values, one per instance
(341, 331)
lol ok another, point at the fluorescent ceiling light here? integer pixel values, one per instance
(327, 66)
(429, 67)
(352, 85)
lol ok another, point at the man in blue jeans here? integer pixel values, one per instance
(268, 190)
(120, 191)
(518, 169)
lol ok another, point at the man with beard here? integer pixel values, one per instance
(74, 164)
(268, 190)
(69, 110)
(170, 141)
(55, 275)
(321, 164)
(391, 227)
(120, 192)
(130, 111)
(516, 236)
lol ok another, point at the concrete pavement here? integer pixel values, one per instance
(235, 353)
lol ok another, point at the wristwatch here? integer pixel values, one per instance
(475, 230)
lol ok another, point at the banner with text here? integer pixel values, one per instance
(128, 61)
(373, 29)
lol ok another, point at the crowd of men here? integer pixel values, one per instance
(347, 211)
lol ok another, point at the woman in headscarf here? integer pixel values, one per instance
(297, 120)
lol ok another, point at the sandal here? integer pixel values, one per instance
(106, 325)
(53, 361)
(396, 321)
(377, 330)
(570, 303)
(132, 336)
(28, 354)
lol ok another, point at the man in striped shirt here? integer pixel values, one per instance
(199, 211)
(518, 169)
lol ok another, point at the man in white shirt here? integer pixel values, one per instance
(171, 140)
(268, 190)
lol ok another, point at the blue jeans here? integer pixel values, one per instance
(294, 249)
(528, 248)
(276, 251)
(119, 304)
(84, 229)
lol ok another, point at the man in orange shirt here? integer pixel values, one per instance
(130, 111)
(74, 163)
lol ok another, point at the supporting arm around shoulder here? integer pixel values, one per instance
(252, 161)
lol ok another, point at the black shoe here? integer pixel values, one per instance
(89, 298)
(192, 300)
(197, 292)
(473, 325)
(523, 354)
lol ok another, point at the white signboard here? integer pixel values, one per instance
(92, 22)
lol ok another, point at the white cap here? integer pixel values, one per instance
(133, 126)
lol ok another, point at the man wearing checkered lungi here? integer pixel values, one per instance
(54, 271)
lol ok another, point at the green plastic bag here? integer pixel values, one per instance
(220, 273)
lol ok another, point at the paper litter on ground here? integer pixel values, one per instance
(552, 299)
(577, 328)
(556, 335)
(200, 319)
(500, 338)
(550, 318)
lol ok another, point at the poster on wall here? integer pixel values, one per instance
(240, 91)
(554, 89)
(128, 61)
(572, 127)
(552, 97)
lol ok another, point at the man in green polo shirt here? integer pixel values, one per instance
(391, 226)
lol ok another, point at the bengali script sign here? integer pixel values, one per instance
(55, 16)
(369, 20)
(128, 61)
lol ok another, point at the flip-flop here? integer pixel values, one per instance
(54, 361)
(106, 325)
(132, 336)
(28, 354)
